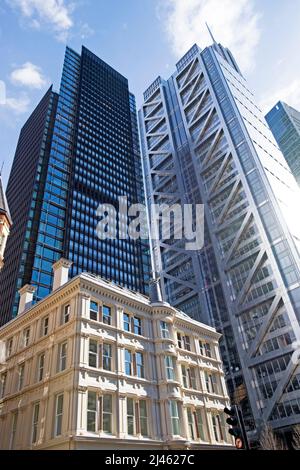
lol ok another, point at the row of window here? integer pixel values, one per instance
(133, 324)
(100, 418)
(61, 365)
(103, 313)
(57, 428)
(26, 336)
(101, 356)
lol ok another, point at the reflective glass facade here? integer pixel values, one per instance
(25, 192)
(284, 122)
(204, 140)
(92, 157)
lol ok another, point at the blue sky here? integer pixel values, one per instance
(141, 39)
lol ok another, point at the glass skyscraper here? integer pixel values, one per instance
(284, 122)
(204, 140)
(77, 150)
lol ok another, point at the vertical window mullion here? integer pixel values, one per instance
(190, 378)
(100, 355)
(196, 424)
(131, 324)
(137, 418)
(100, 413)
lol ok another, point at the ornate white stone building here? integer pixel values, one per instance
(96, 366)
(5, 223)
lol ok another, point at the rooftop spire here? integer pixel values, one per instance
(3, 202)
(211, 34)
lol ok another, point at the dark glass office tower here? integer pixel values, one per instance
(205, 140)
(284, 122)
(24, 192)
(78, 149)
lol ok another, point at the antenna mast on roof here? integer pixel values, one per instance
(211, 34)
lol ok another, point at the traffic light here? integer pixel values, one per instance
(237, 429)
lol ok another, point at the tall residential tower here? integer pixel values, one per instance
(78, 149)
(284, 122)
(205, 141)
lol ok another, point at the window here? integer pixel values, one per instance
(99, 406)
(195, 424)
(189, 377)
(13, 430)
(174, 417)
(106, 361)
(192, 378)
(137, 417)
(3, 384)
(134, 363)
(45, 326)
(164, 328)
(137, 326)
(211, 381)
(41, 364)
(179, 341)
(62, 356)
(186, 342)
(184, 376)
(59, 404)
(191, 424)
(130, 417)
(93, 353)
(9, 347)
(66, 314)
(92, 412)
(100, 355)
(199, 424)
(143, 418)
(139, 364)
(126, 322)
(132, 324)
(107, 414)
(128, 362)
(26, 337)
(183, 342)
(35, 422)
(169, 363)
(106, 315)
(205, 349)
(21, 371)
(208, 382)
(94, 310)
(218, 427)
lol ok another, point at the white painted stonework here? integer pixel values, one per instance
(49, 374)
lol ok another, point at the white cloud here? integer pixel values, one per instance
(19, 105)
(55, 14)
(289, 93)
(234, 24)
(85, 31)
(29, 75)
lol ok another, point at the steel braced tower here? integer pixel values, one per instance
(204, 140)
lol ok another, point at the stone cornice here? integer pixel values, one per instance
(41, 307)
(86, 285)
